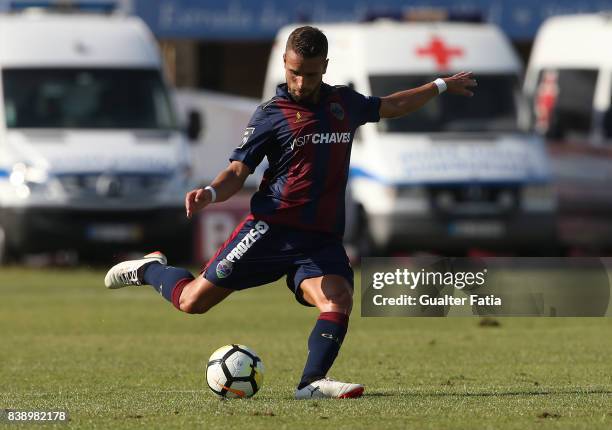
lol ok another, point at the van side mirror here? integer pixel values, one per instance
(194, 125)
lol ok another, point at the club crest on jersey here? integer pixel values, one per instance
(224, 268)
(245, 137)
(337, 111)
(298, 117)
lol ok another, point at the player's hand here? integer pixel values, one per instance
(459, 84)
(196, 200)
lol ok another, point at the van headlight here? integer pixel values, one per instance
(184, 175)
(177, 185)
(537, 192)
(180, 179)
(411, 192)
(27, 179)
(23, 174)
(538, 197)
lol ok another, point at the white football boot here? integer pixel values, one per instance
(131, 272)
(327, 388)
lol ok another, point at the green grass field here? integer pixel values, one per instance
(128, 359)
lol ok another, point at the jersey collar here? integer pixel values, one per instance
(282, 91)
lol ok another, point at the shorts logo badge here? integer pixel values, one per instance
(224, 269)
(248, 132)
(337, 111)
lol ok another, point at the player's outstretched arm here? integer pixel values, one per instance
(404, 102)
(226, 184)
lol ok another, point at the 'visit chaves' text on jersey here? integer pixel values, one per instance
(308, 147)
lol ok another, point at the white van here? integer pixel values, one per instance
(569, 88)
(457, 174)
(90, 152)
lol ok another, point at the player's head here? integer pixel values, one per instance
(305, 62)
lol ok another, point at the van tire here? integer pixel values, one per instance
(4, 247)
(362, 237)
(8, 252)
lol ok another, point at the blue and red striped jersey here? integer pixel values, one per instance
(308, 147)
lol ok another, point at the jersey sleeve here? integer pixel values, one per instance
(364, 108)
(255, 141)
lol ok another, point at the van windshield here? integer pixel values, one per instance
(562, 105)
(86, 98)
(493, 107)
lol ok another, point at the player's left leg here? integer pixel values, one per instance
(175, 284)
(333, 296)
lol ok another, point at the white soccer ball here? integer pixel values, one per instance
(234, 371)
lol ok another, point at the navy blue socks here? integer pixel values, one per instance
(323, 345)
(167, 280)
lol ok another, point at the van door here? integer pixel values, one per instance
(579, 138)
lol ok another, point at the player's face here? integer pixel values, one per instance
(304, 75)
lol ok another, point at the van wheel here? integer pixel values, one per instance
(8, 254)
(363, 241)
(4, 248)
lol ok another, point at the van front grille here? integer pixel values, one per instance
(111, 185)
(474, 199)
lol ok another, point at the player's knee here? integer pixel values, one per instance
(339, 295)
(200, 296)
(190, 305)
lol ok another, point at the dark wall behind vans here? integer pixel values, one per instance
(234, 67)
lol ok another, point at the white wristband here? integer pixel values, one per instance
(213, 193)
(441, 85)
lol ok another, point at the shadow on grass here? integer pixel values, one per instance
(379, 394)
(487, 393)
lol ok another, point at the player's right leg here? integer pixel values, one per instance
(332, 294)
(323, 278)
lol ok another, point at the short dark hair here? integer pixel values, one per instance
(308, 42)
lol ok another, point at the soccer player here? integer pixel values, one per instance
(297, 216)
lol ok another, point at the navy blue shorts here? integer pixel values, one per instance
(258, 253)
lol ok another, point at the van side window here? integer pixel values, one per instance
(492, 109)
(562, 104)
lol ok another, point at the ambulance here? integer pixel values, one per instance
(568, 86)
(457, 174)
(91, 155)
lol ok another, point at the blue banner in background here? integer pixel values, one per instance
(252, 20)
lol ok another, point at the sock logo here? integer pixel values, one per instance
(331, 337)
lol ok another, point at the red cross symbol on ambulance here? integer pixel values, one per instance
(440, 51)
